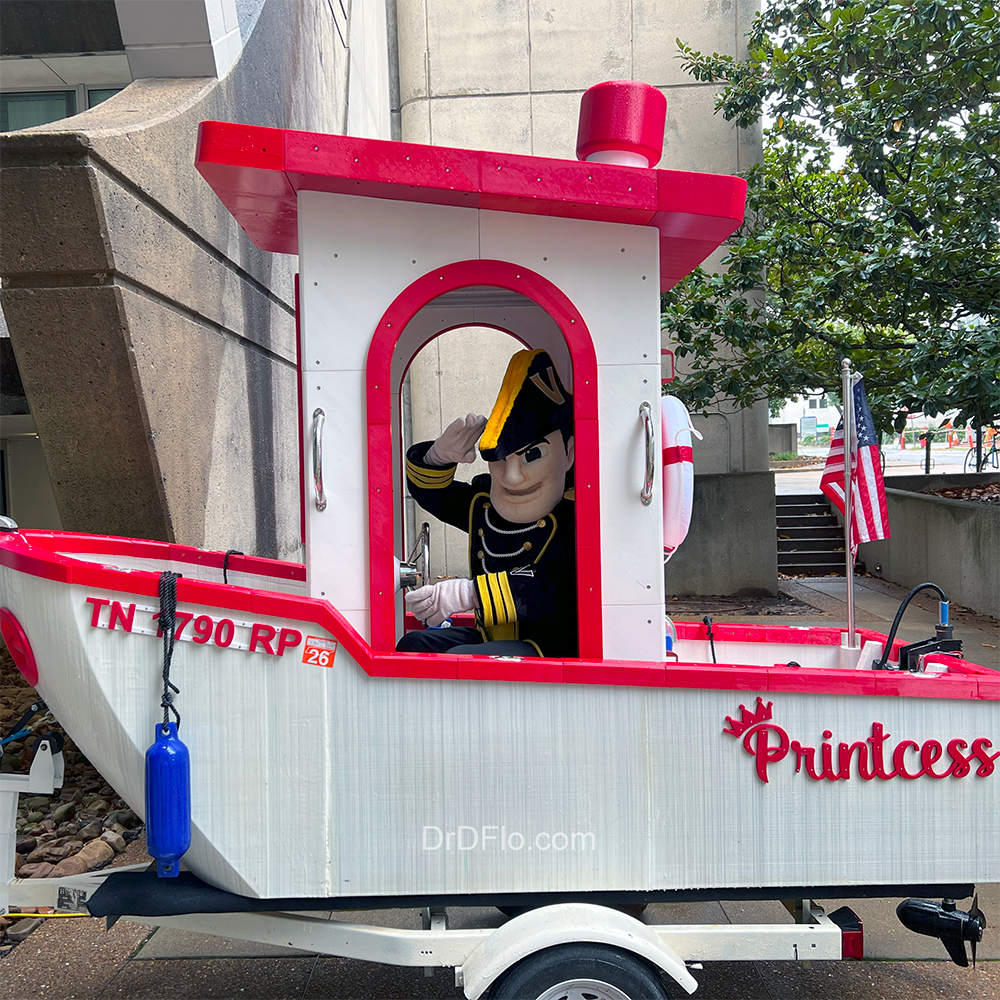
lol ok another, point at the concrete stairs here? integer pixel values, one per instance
(810, 539)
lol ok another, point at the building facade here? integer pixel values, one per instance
(156, 345)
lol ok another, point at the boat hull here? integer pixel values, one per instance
(395, 775)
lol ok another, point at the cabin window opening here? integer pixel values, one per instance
(521, 573)
(525, 305)
(457, 373)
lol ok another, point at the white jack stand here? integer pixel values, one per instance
(45, 776)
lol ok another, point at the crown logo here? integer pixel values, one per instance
(748, 719)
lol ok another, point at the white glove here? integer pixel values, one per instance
(434, 603)
(458, 441)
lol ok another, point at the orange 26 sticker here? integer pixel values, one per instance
(319, 652)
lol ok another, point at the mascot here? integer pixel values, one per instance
(520, 519)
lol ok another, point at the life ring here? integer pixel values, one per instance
(678, 472)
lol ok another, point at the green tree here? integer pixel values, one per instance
(873, 222)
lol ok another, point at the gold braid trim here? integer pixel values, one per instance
(429, 479)
(485, 601)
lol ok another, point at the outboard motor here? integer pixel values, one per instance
(942, 642)
(943, 920)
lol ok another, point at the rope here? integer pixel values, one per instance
(168, 625)
(27, 730)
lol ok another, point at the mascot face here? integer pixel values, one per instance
(528, 483)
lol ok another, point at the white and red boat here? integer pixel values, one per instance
(777, 761)
(767, 768)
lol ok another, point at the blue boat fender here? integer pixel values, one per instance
(168, 800)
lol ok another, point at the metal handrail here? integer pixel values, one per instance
(646, 493)
(319, 419)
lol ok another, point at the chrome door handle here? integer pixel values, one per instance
(319, 419)
(646, 493)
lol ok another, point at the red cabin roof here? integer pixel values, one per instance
(257, 173)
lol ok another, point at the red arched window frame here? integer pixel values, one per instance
(378, 388)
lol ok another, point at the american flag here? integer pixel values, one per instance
(870, 516)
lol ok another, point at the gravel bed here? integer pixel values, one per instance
(82, 827)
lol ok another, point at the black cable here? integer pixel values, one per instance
(899, 616)
(711, 639)
(168, 625)
(225, 563)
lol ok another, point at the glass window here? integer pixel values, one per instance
(95, 97)
(27, 110)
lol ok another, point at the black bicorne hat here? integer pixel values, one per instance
(532, 403)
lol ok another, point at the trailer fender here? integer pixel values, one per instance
(563, 923)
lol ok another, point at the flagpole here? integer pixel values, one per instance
(847, 395)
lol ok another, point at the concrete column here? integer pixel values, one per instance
(155, 342)
(509, 76)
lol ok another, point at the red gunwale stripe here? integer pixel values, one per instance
(37, 554)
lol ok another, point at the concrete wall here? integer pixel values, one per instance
(782, 438)
(30, 28)
(156, 344)
(953, 543)
(728, 551)
(733, 439)
(509, 76)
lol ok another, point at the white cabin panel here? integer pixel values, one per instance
(609, 271)
(337, 549)
(356, 255)
(337, 536)
(634, 632)
(631, 532)
(359, 618)
(341, 397)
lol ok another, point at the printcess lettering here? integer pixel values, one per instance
(874, 757)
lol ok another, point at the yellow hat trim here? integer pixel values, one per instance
(517, 370)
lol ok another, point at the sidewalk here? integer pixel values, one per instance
(875, 605)
(76, 959)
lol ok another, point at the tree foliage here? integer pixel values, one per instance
(873, 222)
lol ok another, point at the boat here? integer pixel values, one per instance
(764, 764)
(769, 761)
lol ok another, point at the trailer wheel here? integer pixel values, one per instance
(580, 972)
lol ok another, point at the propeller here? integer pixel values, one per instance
(944, 921)
(977, 917)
